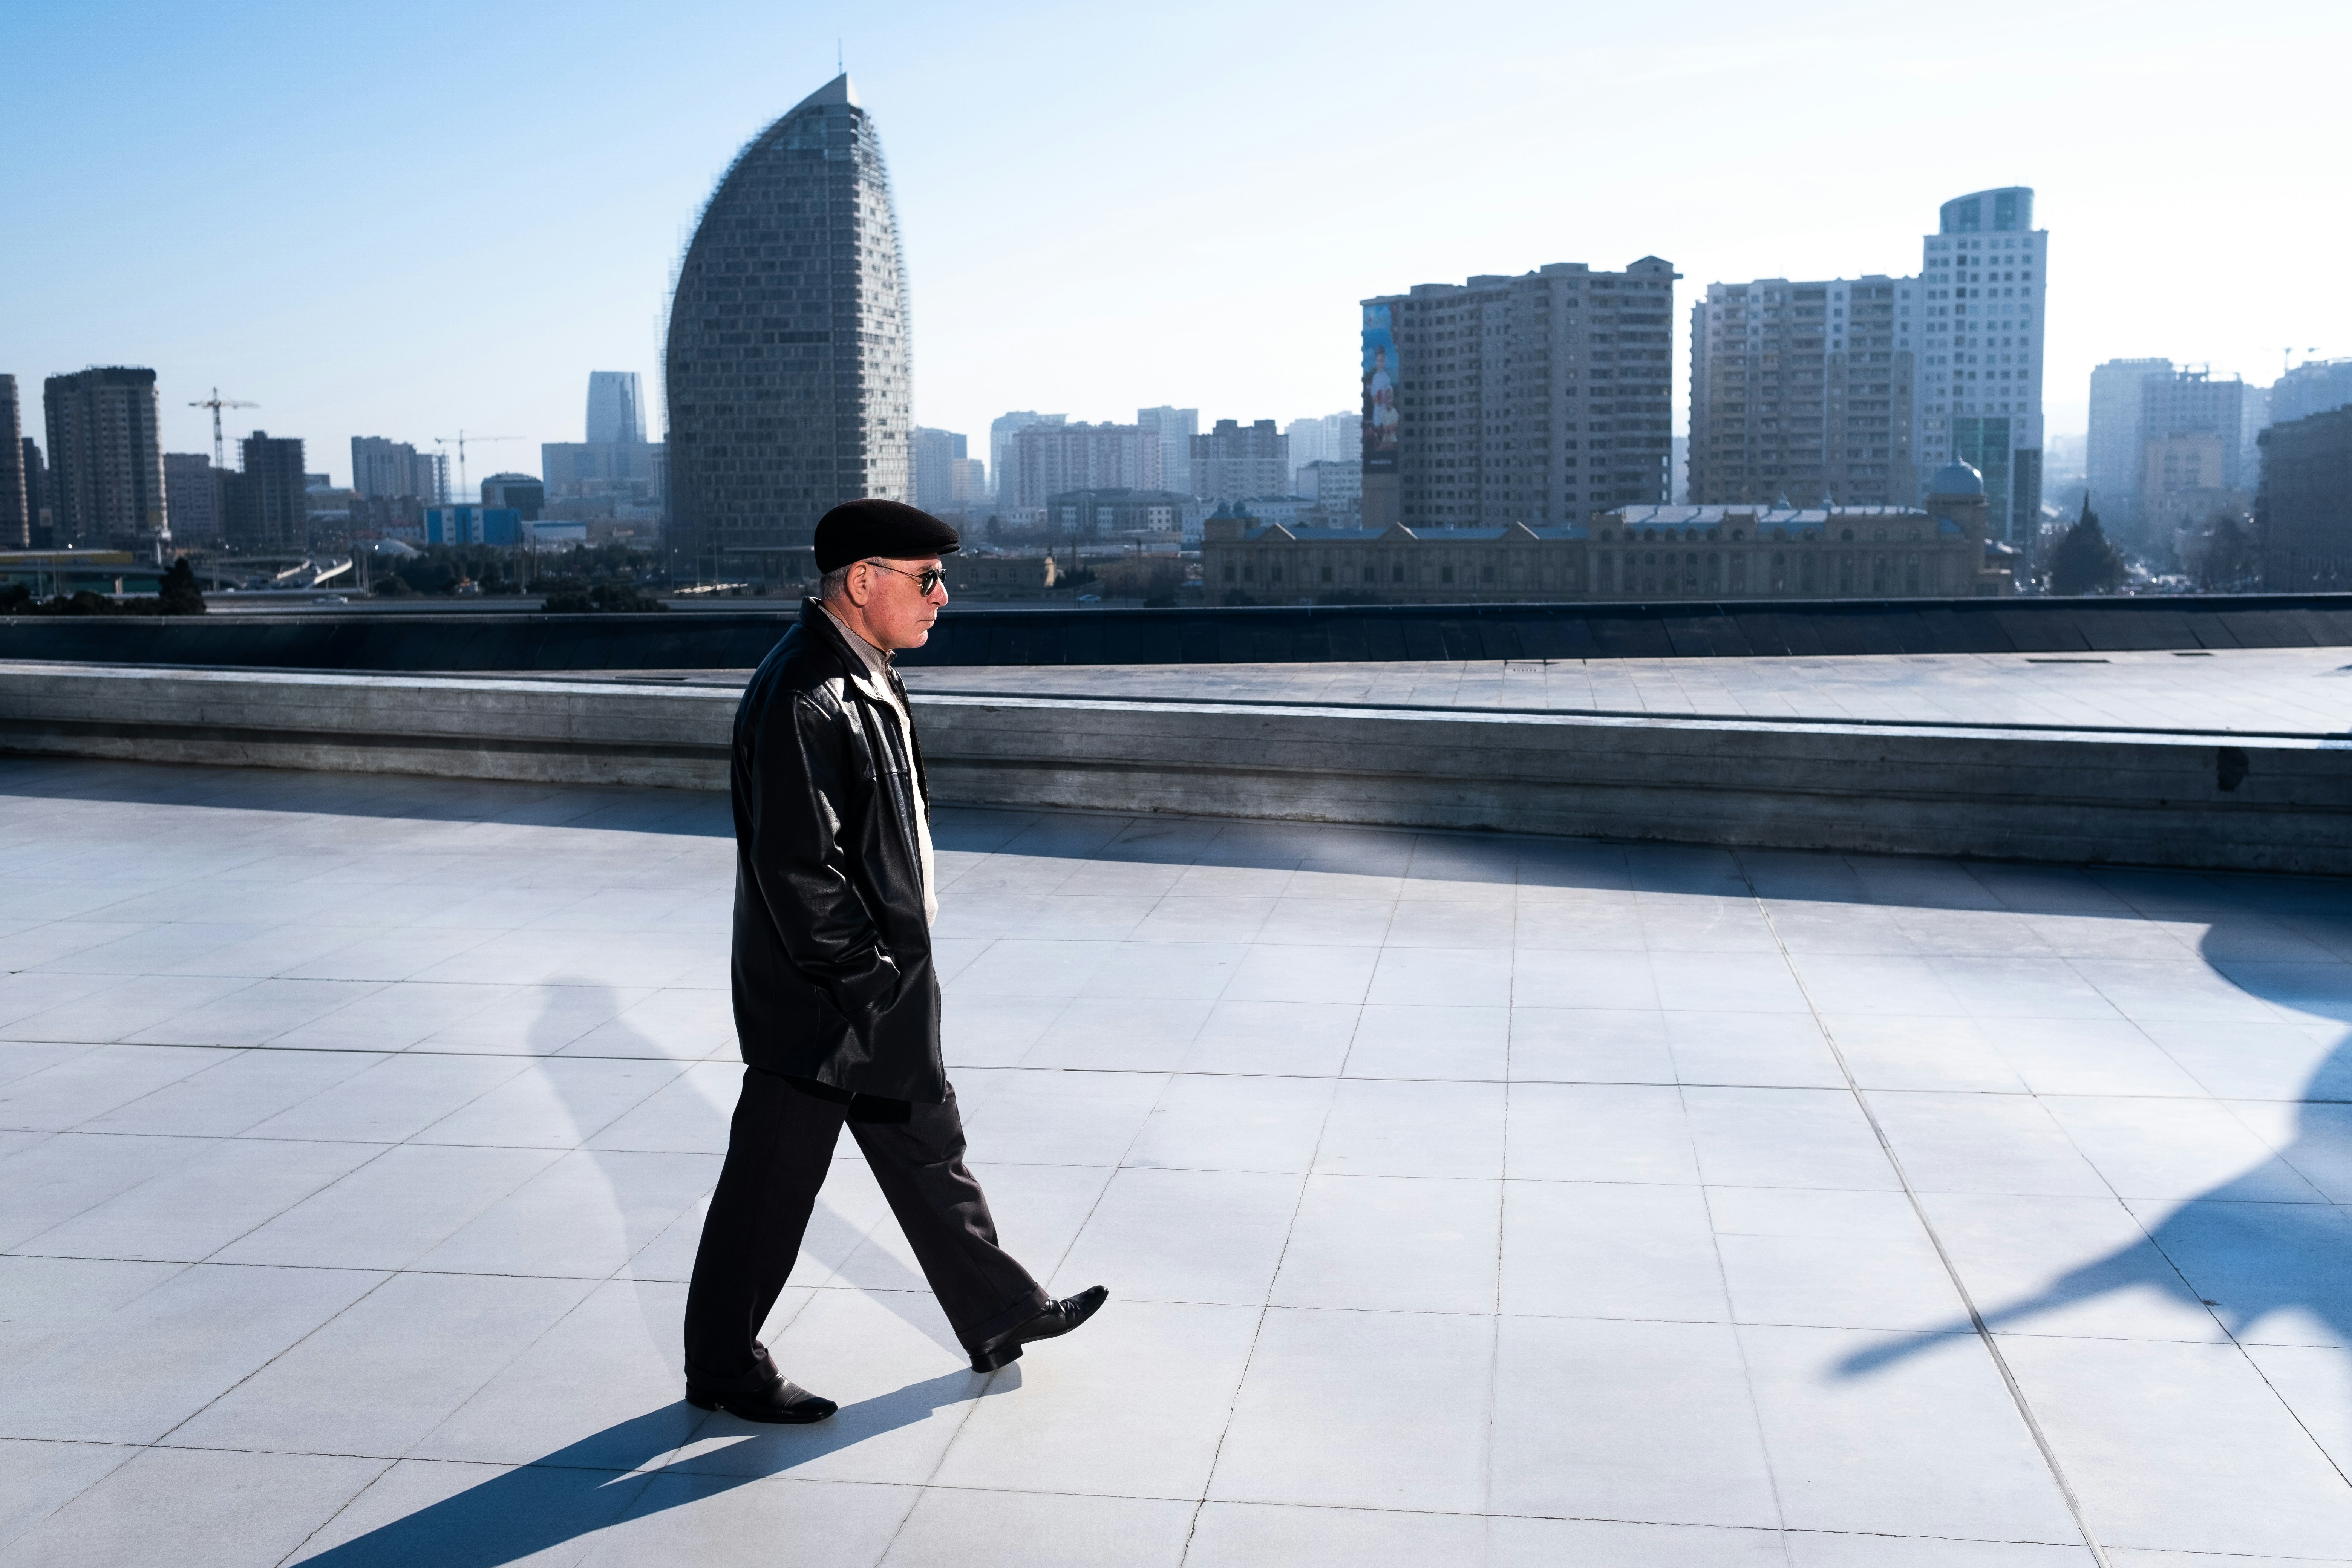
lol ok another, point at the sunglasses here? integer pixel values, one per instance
(928, 578)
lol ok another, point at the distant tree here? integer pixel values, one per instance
(2086, 559)
(2226, 557)
(177, 593)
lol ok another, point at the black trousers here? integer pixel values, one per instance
(778, 1149)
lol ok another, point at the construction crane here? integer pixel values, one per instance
(460, 441)
(217, 403)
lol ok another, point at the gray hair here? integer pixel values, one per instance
(834, 584)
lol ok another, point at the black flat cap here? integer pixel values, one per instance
(860, 529)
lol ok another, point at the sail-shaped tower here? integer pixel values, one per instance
(786, 367)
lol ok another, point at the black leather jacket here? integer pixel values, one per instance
(833, 972)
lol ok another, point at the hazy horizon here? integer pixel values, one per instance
(403, 224)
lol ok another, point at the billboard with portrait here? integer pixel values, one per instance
(1380, 373)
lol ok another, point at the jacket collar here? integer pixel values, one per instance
(817, 622)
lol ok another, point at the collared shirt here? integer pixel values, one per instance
(880, 685)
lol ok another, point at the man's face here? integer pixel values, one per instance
(897, 612)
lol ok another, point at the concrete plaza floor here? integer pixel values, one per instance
(1465, 1200)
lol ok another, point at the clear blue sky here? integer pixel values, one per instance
(401, 221)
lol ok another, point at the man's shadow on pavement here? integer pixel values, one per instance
(2240, 1251)
(589, 1485)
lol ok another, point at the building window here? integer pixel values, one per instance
(1326, 574)
(1486, 573)
(1446, 573)
(1274, 572)
(1396, 573)
(1229, 571)
(1911, 574)
(1249, 570)
(1845, 569)
(1372, 575)
(1780, 573)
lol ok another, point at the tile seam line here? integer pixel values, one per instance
(1265, 1309)
(684, 1062)
(654, 1472)
(2253, 1363)
(1976, 1318)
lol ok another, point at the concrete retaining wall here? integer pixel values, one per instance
(2213, 802)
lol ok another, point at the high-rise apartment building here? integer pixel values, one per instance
(15, 518)
(1049, 459)
(1003, 431)
(2314, 386)
(1801, 391)
(1984, 278)
(933, 455)
(264, 505)
(787, 363)
(1333, 438)
(2196, 401)
(1235, 461)
(968, 483)
(1535, 399)
(1176, 427)
(2306, 503)
(383, 469)
(106, 457)
(191, 493)
(615, 410)
(2111, 454)
(2196, 450)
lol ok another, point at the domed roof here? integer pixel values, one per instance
(1956, 478)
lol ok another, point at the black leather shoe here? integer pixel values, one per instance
(763, 1394)
(1058, 1318)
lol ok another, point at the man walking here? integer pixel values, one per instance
(837, 1004)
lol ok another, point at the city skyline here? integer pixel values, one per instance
(340, 322)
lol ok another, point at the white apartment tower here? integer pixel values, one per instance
(1984, 278)
(1802, 393)
(1176, 427)
(2111, 458)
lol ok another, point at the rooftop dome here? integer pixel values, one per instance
(1956, 478)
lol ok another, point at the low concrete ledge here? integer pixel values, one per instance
(538, 731)
(2216, 802)
(2213, 802)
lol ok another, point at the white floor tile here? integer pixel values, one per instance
(1401, 1244)
(1595, 1249)
(1329, 1393)
(215, 1509)
(1628, 1421)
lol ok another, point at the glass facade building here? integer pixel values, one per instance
(786, 369)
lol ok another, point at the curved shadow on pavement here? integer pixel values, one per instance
(592, 1484)
(2240, 1251)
